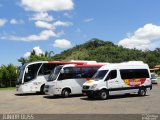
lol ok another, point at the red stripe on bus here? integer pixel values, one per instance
(65, 62)
(90, 65)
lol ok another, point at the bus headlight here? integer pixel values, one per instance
(93, 86)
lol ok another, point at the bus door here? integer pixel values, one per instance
(112, 82)
(65, 79)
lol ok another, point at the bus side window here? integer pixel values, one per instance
(85, 72)
(95, 70)
(77, 72)
(46, 69)
(112, 75)
(67, 74)
(134, 73)
(88, 72)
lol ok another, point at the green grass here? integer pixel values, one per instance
(8, 88)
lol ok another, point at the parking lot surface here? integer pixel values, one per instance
(43, 104)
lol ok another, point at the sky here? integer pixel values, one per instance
(56, 25)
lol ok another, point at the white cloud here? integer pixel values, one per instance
(147, 37)
(43, 24)
(61, 23)
(67, 15)
(47, 5)
(38, 52)
(14, 21)
(2, 22)
(44, 35)
(62, 43)
(78, 30)
(27, 55)
(43, 16)
(89, 20)
(59, 34)
(47, 25)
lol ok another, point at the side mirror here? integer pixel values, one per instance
(26, 70)
(62, 71)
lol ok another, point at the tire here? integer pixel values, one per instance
(42, 89)
(65, 93)
(142, 92)
(103, 95)
(90, 96)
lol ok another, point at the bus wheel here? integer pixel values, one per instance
(103, 94)
(90, 96)
(42, 89)
(142, 92)
(65, 93)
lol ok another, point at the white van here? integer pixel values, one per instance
(121, 78)
(154, 78)
(68, 79)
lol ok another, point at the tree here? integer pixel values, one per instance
(51, 53)
(101, 51)
(5, 76)
(33, 53)
(33, 57)
(22, 60)
(0, 77)
(106, 51)
(12, 74)
(8, 75)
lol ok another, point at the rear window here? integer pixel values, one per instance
(134, 73)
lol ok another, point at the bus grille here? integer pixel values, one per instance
(85, 87)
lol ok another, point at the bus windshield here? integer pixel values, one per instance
(31, 72)
(20, 74)
(54, 73)
(99, 75)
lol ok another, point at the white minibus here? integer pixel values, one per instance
(121, 78)
(68, 79)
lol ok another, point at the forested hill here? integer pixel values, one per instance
(106, 51)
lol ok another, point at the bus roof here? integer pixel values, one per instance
(125, 65)
(76, 62)
(84, 65)
(66, 62)
(90, 65)
(60, 62)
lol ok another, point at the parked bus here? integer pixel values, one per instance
(68, 79)
(122, 78)
(32, 76)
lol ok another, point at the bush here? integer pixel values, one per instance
(8, 75)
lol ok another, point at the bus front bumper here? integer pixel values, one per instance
(19, 89)
(91, 92)
(49, 90)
